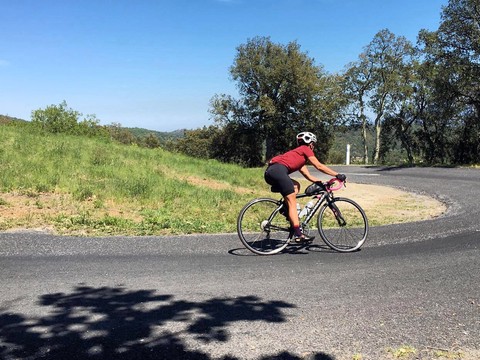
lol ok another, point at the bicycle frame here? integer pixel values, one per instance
(320, 199)
(324, 195)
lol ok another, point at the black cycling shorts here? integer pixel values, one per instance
(277, 176)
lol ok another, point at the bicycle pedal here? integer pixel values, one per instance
(304, 241)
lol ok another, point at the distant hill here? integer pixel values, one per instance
(137, 132)
(162, 136)
(5, 119)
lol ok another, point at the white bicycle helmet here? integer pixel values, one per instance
(306, 137)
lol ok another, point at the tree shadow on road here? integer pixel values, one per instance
(117, 323)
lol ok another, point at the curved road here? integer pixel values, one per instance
(204, 297)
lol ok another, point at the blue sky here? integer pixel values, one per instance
(156, 64)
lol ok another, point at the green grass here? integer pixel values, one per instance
(158, 192)
(92, 186)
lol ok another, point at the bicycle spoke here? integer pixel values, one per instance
(343, 225)
(261, 228)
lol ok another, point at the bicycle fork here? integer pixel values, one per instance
(337, 213)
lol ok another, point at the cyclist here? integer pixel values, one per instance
(279, 168)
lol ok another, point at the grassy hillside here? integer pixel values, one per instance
(83, 185)
(93, 186)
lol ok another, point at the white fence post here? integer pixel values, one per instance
(347, 161)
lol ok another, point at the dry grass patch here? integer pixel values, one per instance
(62, 213)
(216, 185)
(386, 205)
(19, 211)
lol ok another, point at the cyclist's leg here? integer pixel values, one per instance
(276, 175)
(291, 200)
(296, 186)
(286, 211)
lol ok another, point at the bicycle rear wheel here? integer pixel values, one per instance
(262, 229)
(343, 225)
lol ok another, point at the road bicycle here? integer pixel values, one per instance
(264, 229)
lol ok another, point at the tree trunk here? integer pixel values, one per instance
(407, 145)
(364, 132)
(378, 129)
(378, 132)
(269, 149)
(365, 144)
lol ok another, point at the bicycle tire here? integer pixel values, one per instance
(262, 229)
(346, 233)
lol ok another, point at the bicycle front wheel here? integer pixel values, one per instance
(262, 229)
(343, 225)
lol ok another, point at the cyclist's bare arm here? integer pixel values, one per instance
(304, 171)
(320, 167)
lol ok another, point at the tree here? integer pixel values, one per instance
(410, 99)
(237, 144)
(197, 143)
(62, 119)
(387, 55)
(122, 135)
(151, 141)
(373, 83)
(282, 93)
(56, 118)
(455, 50)
(357, 85)
(432, 105)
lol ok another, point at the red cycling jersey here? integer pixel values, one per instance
(294, 159)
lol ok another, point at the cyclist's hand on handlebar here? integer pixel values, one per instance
(341, 177)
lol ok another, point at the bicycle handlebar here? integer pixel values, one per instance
(329, 184)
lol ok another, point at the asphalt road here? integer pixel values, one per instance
(205, 297)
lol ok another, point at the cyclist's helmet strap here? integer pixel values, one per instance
(306, 138)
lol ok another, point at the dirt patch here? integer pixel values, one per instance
(35, 211)
(386, 205)
(19, 205)
(205, 182)
(383, 205)
(217, 185)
